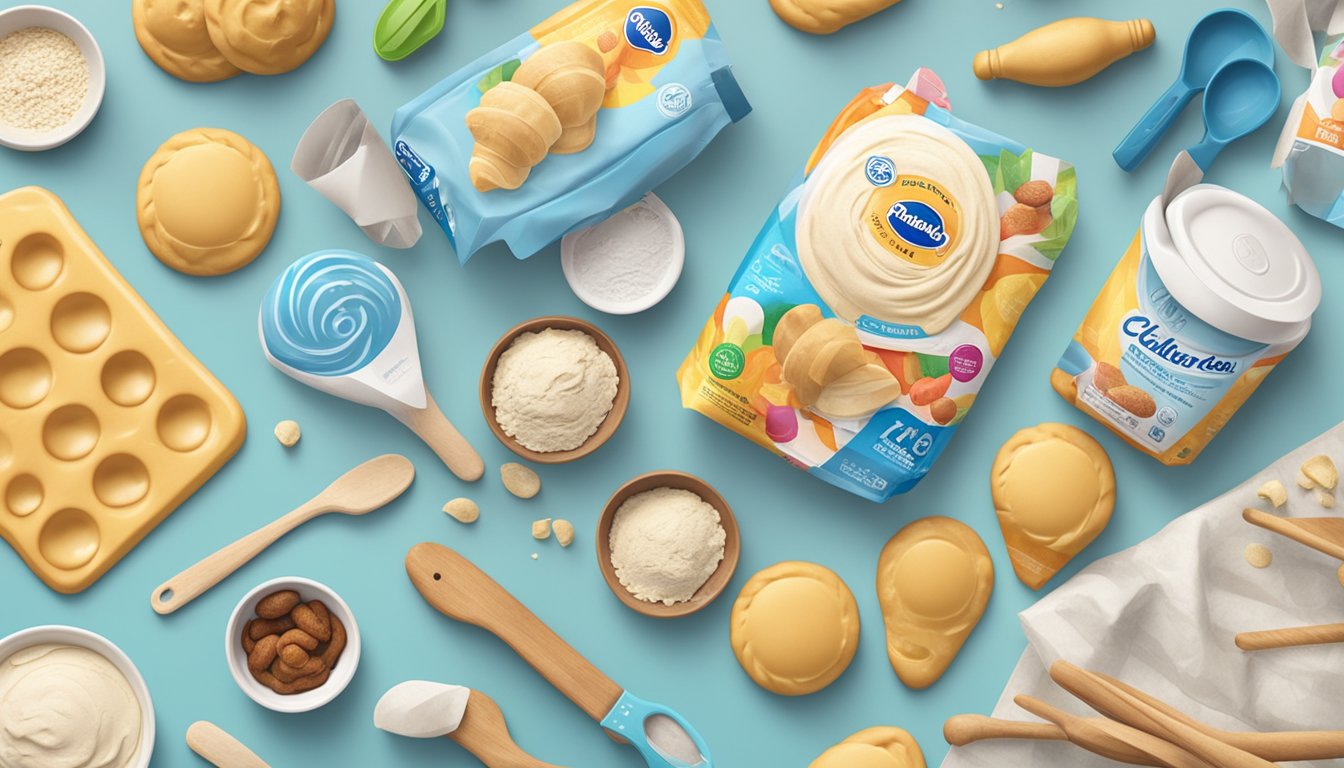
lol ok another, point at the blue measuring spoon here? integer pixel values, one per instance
(1241, 97)
(1221, 36)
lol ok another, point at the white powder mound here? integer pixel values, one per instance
(43, 79)
(553, 389)
(626, 257)
(665, 544)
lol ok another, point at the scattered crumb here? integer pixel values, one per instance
(1304, 482)
(1273, 492)
(519, 480)
(534, 555)
(463, 510)
(541, 529)
(1321, 471)
(564, 532)
(1325, 498)
(999, 6)
(288, 433)
(1258, 556)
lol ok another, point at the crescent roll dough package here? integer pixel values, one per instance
(870, 309)
(567, 123)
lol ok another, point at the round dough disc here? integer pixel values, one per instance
(173, 35)
(880, 747)
(795, 628)
(1054, 481)
(269, 37)
(207, 202)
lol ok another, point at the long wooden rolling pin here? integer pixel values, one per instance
(1323, 534)
(1112, 740)
(1117, 704)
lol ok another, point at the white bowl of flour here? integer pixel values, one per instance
(627, 263)
(51, 77)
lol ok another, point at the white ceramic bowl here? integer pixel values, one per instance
(676, 259)
(23, 16)
(83, 638)
(298, 702)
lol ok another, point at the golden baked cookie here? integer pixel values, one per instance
(1054, 489)
(881, 747)
(795, 628)
(269, 37)
(173, 34)
(207, 202)
(934, 578)
(822, 17)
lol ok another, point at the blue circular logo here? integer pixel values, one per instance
(881, 172)
(674, 100)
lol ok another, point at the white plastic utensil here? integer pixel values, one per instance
(421, 709)
(341, 323)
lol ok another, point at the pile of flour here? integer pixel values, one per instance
(553, 389)
(665, 544)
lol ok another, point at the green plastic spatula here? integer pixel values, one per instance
(405, 25)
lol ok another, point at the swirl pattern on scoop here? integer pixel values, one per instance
(330, 313)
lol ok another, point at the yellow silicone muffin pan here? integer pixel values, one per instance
(107, 422)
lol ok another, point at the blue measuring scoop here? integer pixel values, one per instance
(1241, 97)
(1220, 37)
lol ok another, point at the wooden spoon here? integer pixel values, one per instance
(1323, 534)
(1121, 706)
(1112, 740)
(219, 748)
(484, 734)
(367, 487)
(421, 709)
(1275, 746)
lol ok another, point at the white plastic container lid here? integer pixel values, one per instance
(1233, 263)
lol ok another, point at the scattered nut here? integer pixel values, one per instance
(1258, 556)
(519, 480)
(288, 433)
(541, 529)
(1321, 471)
(1273, 492)
(1304, 482)
(277, 604)
(1019, 219)
(463, 510)
(1325, 498)
(534, 555)
(564, 532)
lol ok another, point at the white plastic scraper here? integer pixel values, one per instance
(340, 322)
(424, 710)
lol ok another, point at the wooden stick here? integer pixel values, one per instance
(1118, 705)
(1321, 634)
(1323, 534)
(219, 748)
(484, 734)
(1112, 740)
(960, 730)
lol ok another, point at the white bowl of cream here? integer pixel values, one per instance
(53, 681)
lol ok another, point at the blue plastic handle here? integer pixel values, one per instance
(1205, 151)
(1139, 143)
(627, 719)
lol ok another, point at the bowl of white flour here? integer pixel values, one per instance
(51, 77)
(627, 263)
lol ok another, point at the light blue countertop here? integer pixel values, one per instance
(796, 83)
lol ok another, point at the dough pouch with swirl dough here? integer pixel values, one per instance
(875, 250)
(869, 311)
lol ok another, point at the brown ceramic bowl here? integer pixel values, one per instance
(608, 426)
(732, 549)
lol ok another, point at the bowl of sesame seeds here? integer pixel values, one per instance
(51, 77)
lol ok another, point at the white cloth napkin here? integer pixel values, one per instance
(1162, 615)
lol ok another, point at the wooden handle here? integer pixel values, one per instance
(1112, 740)
(212, 743)
(1312, 532)
(1280, 747)
(1321, 634)
(439, 434)
(461, 591)
(960, 730)
(484, 734)
(197, 579)
(1122, 707)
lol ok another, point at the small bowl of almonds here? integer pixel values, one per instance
(292, 644)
